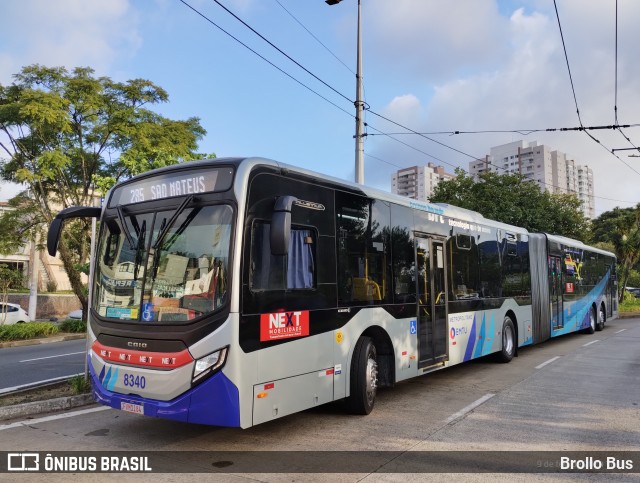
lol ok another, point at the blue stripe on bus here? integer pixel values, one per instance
(487, 348)
(481, 337)
(472, 340)
(215, 401)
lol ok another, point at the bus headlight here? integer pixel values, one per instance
(208, 364)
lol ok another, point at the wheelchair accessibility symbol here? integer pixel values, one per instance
(413, 328)
(147, 312)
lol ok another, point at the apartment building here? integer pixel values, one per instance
(418, 182)
(550, 169)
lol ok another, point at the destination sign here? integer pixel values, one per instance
(177, 183)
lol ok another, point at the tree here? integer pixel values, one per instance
(514, 200)
(69, 136)
(620, 227)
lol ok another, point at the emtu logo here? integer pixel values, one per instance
(455, 331)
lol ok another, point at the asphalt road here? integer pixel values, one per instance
(33, 363)
(576, 393)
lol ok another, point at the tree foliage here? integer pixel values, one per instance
(620, 228)
(69, 136)
(514, 200)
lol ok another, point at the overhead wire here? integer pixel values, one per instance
(411, 131)
(281, 51)
(615, 104)
(566, 56)
(328, 50)
(523, 132)
(316, 38)
(264, 58)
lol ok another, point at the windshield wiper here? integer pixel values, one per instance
(124, 227)
(141, 243)
(172, 220)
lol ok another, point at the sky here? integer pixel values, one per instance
(430, 66)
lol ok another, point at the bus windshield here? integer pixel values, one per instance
(166, 267)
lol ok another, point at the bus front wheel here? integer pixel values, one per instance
(508, 340)
(364, 377)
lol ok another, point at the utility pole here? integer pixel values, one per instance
(359, 103)
(359, 106)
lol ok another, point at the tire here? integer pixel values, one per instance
(602, 317)
(592, 322)
(363, 377)
(508, 341)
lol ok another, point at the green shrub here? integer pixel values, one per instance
(630, 303)
(73, 325)
(52, 286)
(29, 330)
(79, 384)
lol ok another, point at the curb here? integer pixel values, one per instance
(47, 406)
(629, 315)
(46, 340)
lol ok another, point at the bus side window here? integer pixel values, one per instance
(463, 268)
(282, 272)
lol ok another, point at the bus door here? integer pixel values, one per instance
(555, 291)
(432, 299)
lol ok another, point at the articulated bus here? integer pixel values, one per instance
(232, 292)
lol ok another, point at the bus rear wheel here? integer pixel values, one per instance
(364, 377)
(508, 340)
(592, 321)
(601, 318)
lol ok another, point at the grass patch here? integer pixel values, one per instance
(73, 325)
(28, 330)
(629, 303)
(79, 384)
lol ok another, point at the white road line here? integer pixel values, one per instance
(592, 342)
(51, 357)
(469, 408)
(30, 422)
(31, 384)
(547, 362)
(621, 330)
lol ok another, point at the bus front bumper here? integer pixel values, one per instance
(214, 401)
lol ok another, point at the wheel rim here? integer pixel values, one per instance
(592, 320)
(372, 379)
(507, 339)
(601, 317)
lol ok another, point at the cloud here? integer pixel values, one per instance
(67, 33)
(432, 40)
(527, 88)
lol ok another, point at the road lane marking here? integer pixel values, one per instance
(621, 330)
(51, 357)
(31, 422)
(469, 408)
(36, 383)
(547, 362)
(592, 342)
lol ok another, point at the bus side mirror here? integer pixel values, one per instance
(281, 225)
(53, 237)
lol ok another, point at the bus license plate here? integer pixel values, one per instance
(132, 408)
